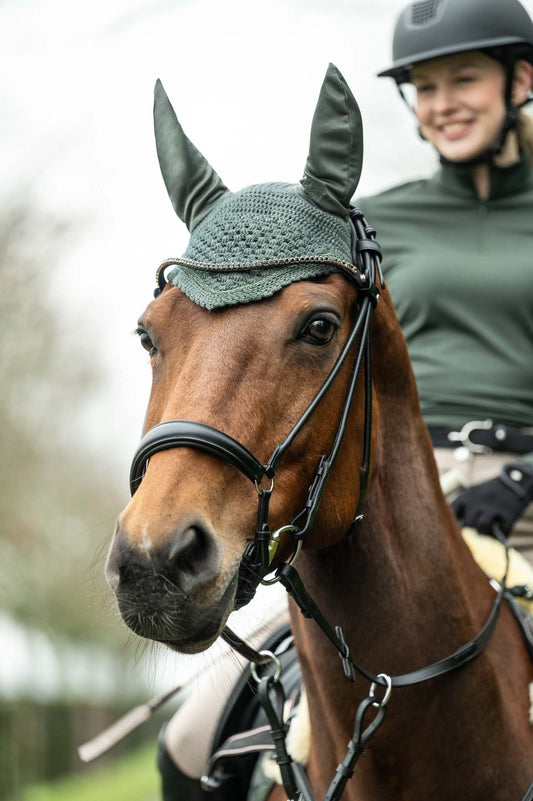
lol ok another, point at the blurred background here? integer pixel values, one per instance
(84, 222)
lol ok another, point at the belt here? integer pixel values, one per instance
(484, 436)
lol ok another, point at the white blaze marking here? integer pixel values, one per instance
(146, 543)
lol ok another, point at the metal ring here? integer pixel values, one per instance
(277, 665)
(296, 554)
(385, 700)
(275, 539)
(262, 491)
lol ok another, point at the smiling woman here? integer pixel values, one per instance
(461, 108)
(460, 102)
(458, 250)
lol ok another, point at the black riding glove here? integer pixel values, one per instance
(501, 500)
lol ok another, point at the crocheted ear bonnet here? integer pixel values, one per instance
(247, 245)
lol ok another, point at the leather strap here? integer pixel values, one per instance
(522, 618)
(189, 434)
(272, 699)
(295, 587)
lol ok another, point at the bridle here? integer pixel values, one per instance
(259, 555)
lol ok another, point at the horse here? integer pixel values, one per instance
(283, 400)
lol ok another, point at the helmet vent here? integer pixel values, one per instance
(424, 11)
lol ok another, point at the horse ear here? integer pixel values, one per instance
(192, 184)
(335, 155)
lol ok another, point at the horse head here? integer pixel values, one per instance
(244, 334)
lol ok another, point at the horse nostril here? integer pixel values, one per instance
(185, 547)
(190, 560)
(194, 556)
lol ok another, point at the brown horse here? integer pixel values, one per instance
(403, 586)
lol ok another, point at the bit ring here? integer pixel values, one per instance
(277, 667)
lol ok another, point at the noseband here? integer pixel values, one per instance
(258, 556)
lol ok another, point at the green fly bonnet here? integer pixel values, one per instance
(249, 244)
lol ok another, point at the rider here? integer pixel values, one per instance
(458, 250)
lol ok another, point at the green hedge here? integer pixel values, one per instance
(38, 742)
(132, 777)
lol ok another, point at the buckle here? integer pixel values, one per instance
(463, 436)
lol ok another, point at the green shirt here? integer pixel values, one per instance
(460, 272)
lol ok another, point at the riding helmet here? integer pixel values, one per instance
(431, 28)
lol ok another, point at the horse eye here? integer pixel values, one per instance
(146, 342)
(320, 331)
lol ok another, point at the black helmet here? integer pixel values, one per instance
(430, 28)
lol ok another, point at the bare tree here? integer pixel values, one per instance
(57, 505)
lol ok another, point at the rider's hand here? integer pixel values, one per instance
(501, 500)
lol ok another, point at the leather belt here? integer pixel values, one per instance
(484, 436)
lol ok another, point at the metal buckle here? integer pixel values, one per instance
(273, 547)
(463, 436)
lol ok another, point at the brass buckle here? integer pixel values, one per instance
(273, 547)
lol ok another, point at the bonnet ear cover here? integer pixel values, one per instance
(192, 184)
(335, 157)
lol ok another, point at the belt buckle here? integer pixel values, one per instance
(463, 436)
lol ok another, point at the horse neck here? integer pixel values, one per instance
(407, 593)
(401, 585)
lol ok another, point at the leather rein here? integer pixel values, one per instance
(260, 553)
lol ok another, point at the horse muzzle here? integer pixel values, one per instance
(172, 593)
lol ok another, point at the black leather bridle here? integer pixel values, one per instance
(258, 556)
